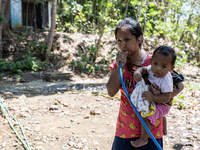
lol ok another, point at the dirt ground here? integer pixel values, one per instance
(86, 119)
(67, 120)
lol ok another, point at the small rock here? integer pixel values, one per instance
(86, 117)
(84, 141)
(72, 144)
(15, 144)
(8, 95)
(25, 115)
(39, 147)
(20, 148)
(79, 146)
(96, 143)
(56, 103)
(53, 107)
(184, 140)
(98, 99)
(189, 144)
(22, 97)
(4, 144)
(37, 139)
(93, 112)
(83, 107)
(65, 104)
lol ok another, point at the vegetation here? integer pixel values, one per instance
(169, 19)
(87, 60)
(177, 22)
(28, 64)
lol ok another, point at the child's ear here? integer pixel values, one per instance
(172, 68)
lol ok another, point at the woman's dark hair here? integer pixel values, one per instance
(166, 51)
(135, 28)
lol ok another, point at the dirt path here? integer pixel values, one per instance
(86, 120)
(82, 121)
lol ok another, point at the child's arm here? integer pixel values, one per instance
(159, 98)
(139, 72)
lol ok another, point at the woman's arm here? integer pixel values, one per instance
(155, 95)
(158, 98)
(176, 91)
(114, 83)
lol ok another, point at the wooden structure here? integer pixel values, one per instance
(29, 13)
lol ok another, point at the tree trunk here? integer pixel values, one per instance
(0, 34)
(5, 9)
(51, 32)
(139, 12)
(188, 23)
(94, 13)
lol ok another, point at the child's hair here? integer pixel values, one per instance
(166, 51)
(135, 28)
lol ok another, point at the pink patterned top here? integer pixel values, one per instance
(128, 124)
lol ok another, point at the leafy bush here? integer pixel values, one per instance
(87, 60)
(37, 49)
(28, 64)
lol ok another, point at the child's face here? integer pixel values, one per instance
(126, 41)
(161, 65)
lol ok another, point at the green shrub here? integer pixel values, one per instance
(87, 60)
(28, 64)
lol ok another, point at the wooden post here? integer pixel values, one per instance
(0, 32)
(51, 32)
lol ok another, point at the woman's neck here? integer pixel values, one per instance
(137, 57)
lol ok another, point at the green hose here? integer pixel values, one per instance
(4, 107)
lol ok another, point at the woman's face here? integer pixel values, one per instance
(126, 41)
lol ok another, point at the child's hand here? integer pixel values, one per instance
(137, 76)
(154, 89)
(147, 95)
(122, 57)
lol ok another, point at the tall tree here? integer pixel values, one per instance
(0, 33)
(53, 24)
(5, 10)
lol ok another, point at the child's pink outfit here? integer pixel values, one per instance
(165, 84)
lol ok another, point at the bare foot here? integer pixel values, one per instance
(164, 131)
(139, 142)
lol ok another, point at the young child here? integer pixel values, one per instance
(159, 73)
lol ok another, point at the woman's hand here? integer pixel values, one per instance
(122, 57)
